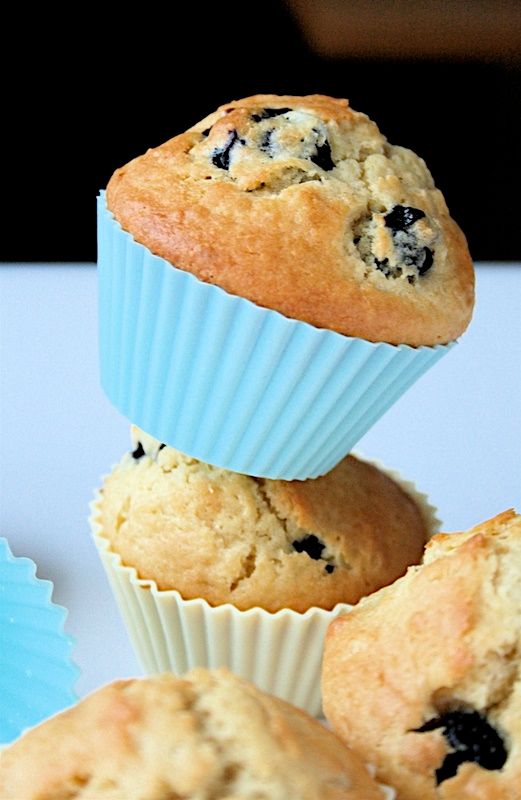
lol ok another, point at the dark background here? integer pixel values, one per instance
(78, 104)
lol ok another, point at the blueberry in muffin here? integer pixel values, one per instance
(424, 675)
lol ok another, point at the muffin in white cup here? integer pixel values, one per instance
(213, 568)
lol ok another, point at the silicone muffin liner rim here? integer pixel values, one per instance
(171, 633)
(229, 382)
(38, 673)
(150, 584)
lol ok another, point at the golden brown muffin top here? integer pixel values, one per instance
(424, 676)
(300, 204)
(226, 537)
(210, 736)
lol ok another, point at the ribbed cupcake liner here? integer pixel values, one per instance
(228, 382)
(37, 675)
(280, 652)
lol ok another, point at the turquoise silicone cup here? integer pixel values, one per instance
(37, 674)
(228, 382)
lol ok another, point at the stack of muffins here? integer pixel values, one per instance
(271, 281)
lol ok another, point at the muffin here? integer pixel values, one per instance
(204, 737)
(424, 676)
(271, 281)
(231, 538)
(300, 204)
(212, 568)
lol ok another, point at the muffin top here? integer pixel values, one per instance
(300, 204)
(210, 736)
(424, 676)
(226, 537)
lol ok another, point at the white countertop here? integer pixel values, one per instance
(457, 433)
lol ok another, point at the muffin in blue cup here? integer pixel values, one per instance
(271, 281)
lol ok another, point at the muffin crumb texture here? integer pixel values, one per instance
(424, 676)
(301, 205)
(231, 538)
(210, 736)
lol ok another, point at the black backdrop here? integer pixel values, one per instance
(83, 94)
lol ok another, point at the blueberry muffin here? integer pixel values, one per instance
(425, 676)
(231, 538)
(206, 737)
(300, 205)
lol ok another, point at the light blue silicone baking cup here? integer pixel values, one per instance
(228, 382)
(37, 674)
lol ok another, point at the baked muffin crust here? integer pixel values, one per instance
(226, 537)
(300, 204)
(424, 676)
(210, 736)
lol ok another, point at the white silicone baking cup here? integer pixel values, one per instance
(228, 382)
(279, 652)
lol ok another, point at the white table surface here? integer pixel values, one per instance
(457, 433)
